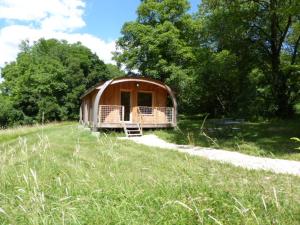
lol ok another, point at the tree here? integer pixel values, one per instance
(260, 33)
(8, 114)
(231, 58)
(218, 83)
(156, 43)
(114, 71)
(49, 77)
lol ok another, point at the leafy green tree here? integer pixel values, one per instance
(49, 77)
(115, 71)
(230, 58)
(156, 43)
(264, 35)
(218, 83)
(8, 114)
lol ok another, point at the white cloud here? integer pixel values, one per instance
(35, 19)
(69, 12)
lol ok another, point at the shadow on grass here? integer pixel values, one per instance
(270, 139)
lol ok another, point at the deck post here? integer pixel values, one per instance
(155, 116)
(96, 104)
(173, 115)
(174, 104)
(100, 114)
(86, 115)
(80, 113)
(122, 114)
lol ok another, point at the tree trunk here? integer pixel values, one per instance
(282, 99)
(280, 88)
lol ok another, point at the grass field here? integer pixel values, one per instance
(60, 174)
(270, 139)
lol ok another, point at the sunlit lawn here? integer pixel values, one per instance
(63, 175)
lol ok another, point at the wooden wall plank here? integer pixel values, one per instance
(111, 96)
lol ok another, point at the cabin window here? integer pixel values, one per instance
(145, 102)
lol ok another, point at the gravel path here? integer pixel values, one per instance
(234, 158)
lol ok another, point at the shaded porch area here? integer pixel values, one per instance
(148, 117)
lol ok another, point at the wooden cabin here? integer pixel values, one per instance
(128, 100)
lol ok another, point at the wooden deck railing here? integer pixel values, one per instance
(111, 114)
(140, 114)
(156, 115)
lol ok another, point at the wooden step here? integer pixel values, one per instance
(134, 135)
(131, 125)
(132, 130)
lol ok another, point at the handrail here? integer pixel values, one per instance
(140, 118)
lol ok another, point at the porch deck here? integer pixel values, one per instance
(113, 116)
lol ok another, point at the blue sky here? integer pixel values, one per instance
(95, 23)
(106, 17)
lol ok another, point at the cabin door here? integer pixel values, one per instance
(125, 101)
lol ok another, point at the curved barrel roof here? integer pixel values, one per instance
(126, 79)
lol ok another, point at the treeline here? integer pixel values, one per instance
(230, 58)
(46, 81)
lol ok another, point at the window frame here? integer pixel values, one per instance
(152, 102)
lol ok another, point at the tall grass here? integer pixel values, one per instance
(64, 175)
(268, 139)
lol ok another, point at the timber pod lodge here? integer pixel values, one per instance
(135, 102)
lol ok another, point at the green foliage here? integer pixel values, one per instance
(296, 140)
(59, 174)
(8, 114)
(114, 71)
(220, 83)
(263, 35)
(49, 77)
(230, 58)
(156, 43)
